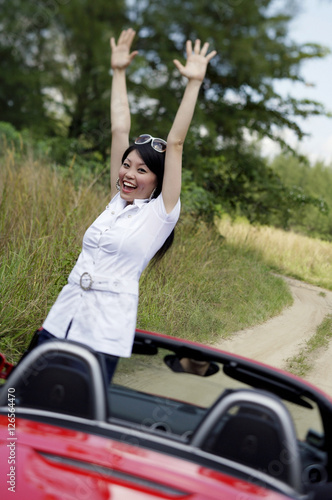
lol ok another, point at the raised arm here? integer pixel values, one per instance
(120, 114)
(194, 70)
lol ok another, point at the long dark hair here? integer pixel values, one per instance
(155, 161)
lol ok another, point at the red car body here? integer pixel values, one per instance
(120, 470)
(132, 446)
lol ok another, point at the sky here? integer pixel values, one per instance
(312, 24)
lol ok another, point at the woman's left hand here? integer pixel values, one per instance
(197, 61)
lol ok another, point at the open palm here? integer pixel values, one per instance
(121, 55)
(197, 61)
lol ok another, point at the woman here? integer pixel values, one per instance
(98, 307)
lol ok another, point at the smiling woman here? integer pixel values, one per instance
(136, 180)
(149, 157)
(138, 162)
(98, 306)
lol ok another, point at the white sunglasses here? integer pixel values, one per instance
(156, 143)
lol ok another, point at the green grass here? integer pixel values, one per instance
(304, 360)
(205, 287)
(291, 254)
(42, 221)
(211, 283)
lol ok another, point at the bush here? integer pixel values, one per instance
(9, 138)
(195, 200)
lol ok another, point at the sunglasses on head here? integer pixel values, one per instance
(157, 144)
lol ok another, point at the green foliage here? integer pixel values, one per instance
(26, 65)
(9, 137)
(196, 201)
(237, 182)
(242, 183)
(310, 198)
(254, 50)
(85, 31)
(76, 159)
(55, 83)
(55, 75)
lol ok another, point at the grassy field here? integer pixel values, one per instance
(206, 287)
(301, 257)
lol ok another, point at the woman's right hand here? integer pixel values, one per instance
(121, 56)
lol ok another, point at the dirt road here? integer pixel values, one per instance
(285, 335)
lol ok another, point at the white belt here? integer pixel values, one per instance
(89, 281)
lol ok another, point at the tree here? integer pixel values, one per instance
(307, 183)
(22, 75)
(86, 28)
(238, 95)
(65, 46)
(254, 51)
(55, 65)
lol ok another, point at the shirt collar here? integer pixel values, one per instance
(138, 202)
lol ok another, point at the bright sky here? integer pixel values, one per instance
(313, 24)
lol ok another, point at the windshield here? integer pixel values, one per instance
(163, 395)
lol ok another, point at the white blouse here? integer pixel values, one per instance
(101, 296)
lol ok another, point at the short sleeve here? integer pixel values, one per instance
(159, 207)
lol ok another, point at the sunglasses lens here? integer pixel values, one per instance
(142, 139)
(159, 145)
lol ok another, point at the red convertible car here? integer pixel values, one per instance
(179, 421)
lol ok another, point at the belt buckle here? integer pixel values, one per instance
(86, 281)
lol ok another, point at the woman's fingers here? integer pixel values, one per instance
(126, 38)
(197, 47)
(189, 48)
(179, 66)
(211, 55)
(205, 48)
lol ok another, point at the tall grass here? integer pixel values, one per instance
(204, 288)
(42, 220)
(301, 257)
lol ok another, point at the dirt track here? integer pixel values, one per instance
(285, 335)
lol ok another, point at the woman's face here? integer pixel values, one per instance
(137, 181)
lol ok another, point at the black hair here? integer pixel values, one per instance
(155, 161)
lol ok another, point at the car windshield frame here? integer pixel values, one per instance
(147, 366)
